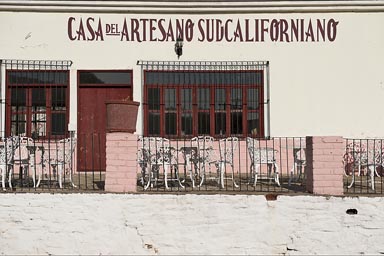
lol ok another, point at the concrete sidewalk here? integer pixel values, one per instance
(116, 224)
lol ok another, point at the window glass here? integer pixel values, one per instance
(236, 123)
(203, 98)
(154, 123)
(186, 124)
(170, 123)
(186, 99)
(38, 102)
(18, 99)
(105, 77)
(19, 124)
(206, 102)
(220, 123)
(154, 98)
(204, 123)
(177, 78)
(252, 98)
(58, 95)
(253, 123)
(220, 99)
(236, 98)
(38, 99)
(39, 124)
(170, 99)
(58, 123)
(27, 77)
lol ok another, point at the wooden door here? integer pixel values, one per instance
(92, 124)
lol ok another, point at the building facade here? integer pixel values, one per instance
(220, 68)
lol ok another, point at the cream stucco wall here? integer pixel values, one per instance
(316, 88)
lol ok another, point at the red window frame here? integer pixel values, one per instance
(211, 111)
(49, 109)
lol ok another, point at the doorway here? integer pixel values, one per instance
(95, 88)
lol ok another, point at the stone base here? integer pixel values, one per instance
(324, 166)
(121, 163)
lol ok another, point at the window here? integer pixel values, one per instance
(191, 103)
(38, 103)
(105, 78)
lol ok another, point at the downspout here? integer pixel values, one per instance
(2, 99)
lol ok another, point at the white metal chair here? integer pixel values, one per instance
(299, 162)
(23, 158)
(259, 156)
(38, 162)
(360, 156)
(8, 146)
(63, 159)
(199, 155)
(227, 147)
(154, 153)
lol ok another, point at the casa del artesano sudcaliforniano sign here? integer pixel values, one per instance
(231, 30)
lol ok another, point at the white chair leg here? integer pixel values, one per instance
(70, 178)
(38, 181)
(300, 169)
(269, 167)
(34, 179)
(10, 177)
(353, 180)
(276, 171)
(189, 165)
(149, 181)
(256, 170)
(60, 169)
(177, 176)
(3, 174)
(202, 176)
(233, 178)
(40, 174)
(166, 175)
(294, 167)
(371, 169)
(222, 173)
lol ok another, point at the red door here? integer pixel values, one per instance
(92, 124)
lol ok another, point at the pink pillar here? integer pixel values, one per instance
(121, 163)
(324, 165)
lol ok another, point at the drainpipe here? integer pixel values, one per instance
(2, 99)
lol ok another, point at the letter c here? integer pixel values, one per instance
(70, 35)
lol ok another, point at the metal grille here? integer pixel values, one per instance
(230, 164)
(217, 98)
(34, 97)
(363, 166)
(203, 65)
(36, 64)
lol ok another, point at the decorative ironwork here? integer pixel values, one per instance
(36, 64)
(203, 65)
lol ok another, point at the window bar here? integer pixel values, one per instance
(381, 166)
(49, 166)
(260, 174)
(85, 161)
(93, 160)
(368, 155)
(240, 153)
(100, 163)
(287, 154)
(267, 121)
(354, 143)
(62, 179)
